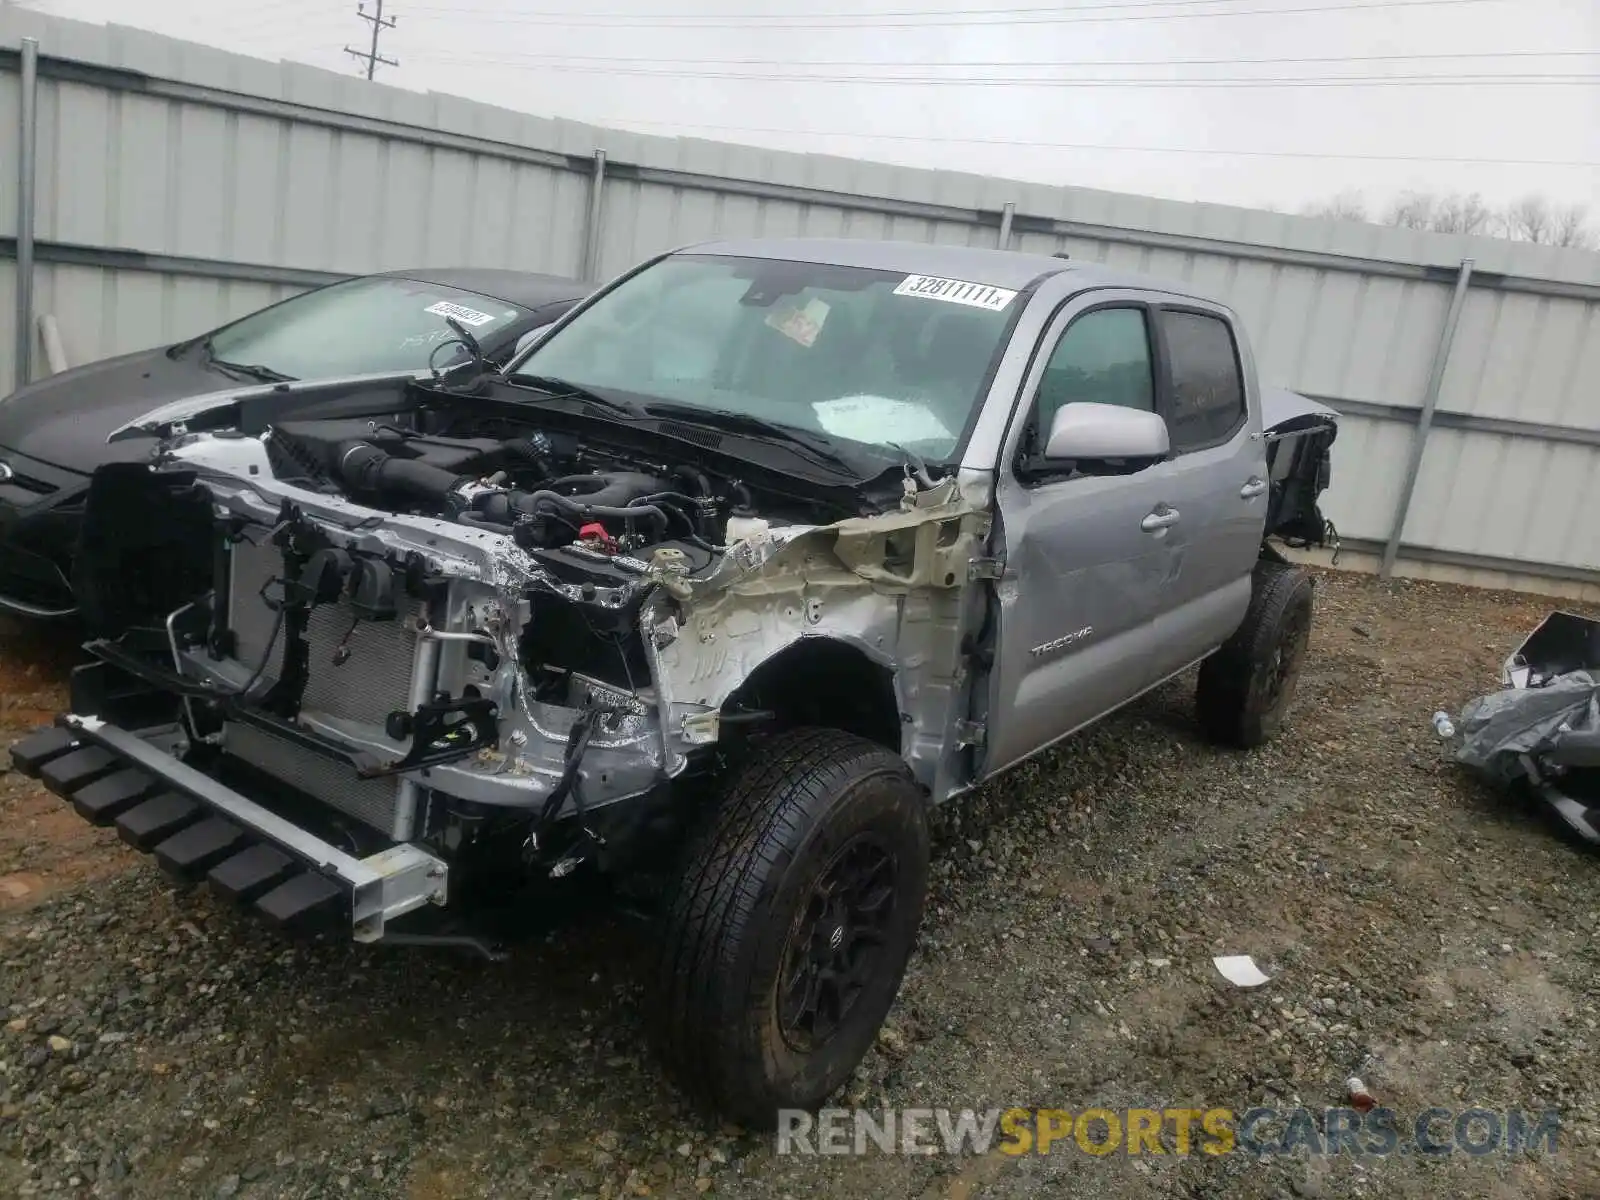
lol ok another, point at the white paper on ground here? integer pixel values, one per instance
(878, 419)
(1240, 970)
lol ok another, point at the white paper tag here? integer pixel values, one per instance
(467, 316)
(1240, 970)
(878, 420)
(955, 291)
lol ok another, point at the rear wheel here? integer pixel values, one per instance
(788, 932)
(1247, 685)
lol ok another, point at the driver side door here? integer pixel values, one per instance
(1086, 554)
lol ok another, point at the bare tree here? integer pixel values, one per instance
(1442, 214)
(1346, 206)
(1571, 228)
(1535, 219)
(1463, 214)
(1530, 219)
(1412, 210)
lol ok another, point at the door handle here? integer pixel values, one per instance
(1163, 517)
(1253, 487)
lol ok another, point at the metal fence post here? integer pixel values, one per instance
(1419, 439)
(1007, 215)
(591, 235)
(27, 149)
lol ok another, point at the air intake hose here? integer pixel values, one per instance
(363, 467)
(506, 508)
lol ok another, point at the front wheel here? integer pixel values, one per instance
(1246, 686)
(788, 932)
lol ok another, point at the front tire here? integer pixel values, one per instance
(1246, 686)
(786, 935)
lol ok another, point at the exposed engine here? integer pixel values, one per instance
(602, 516)
(449, 620)
(543, 493)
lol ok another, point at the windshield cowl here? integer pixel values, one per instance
(706, 428)
(826, 452)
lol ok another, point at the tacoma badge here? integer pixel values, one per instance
(1062, 642)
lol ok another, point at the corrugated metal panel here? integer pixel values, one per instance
(1369, 461)
(1531, 358)
(1508, 497)
(181, 179)
(103, 312)
(285, 166)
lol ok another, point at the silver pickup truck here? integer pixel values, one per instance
(764, 549)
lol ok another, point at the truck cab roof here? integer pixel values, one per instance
(1013, 269)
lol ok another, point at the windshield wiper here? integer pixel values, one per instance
(564, 389)
(817, 448)
(253, 371)
(241, 370)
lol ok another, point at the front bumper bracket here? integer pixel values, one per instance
(198, 827)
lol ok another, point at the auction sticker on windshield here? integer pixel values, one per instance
(955, 291)
(467, 316)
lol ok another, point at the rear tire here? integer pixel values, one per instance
(1247, 685)
(786, 935)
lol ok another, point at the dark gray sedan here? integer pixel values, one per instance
(53, 432)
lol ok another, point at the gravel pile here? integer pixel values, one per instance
(1422, 931)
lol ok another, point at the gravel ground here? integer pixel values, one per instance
(1423, 931)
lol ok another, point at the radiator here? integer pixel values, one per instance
(333, 782)
(374, 678)
(363, 684)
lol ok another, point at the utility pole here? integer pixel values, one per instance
(372, 57)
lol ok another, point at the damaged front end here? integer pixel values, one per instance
(1541, 730)
(375, 666)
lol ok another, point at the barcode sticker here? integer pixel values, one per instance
(955, 291)
(467, 316)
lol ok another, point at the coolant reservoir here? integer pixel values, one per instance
(743, 529)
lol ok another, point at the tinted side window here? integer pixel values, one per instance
(1207, 390)
(1102, 358)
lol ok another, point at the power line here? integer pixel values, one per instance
(1042, 65)
(1098, 146)
(981, 17)
(1219, 81)
(886, 14)
(372, 57)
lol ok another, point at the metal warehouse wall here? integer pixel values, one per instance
(178, 186)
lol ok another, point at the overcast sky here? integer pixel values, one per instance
(675, 68)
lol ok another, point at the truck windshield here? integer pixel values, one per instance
(875, 357)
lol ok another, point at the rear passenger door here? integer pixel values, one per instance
(1215, 480)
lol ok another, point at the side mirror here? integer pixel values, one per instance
(1083, 430)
